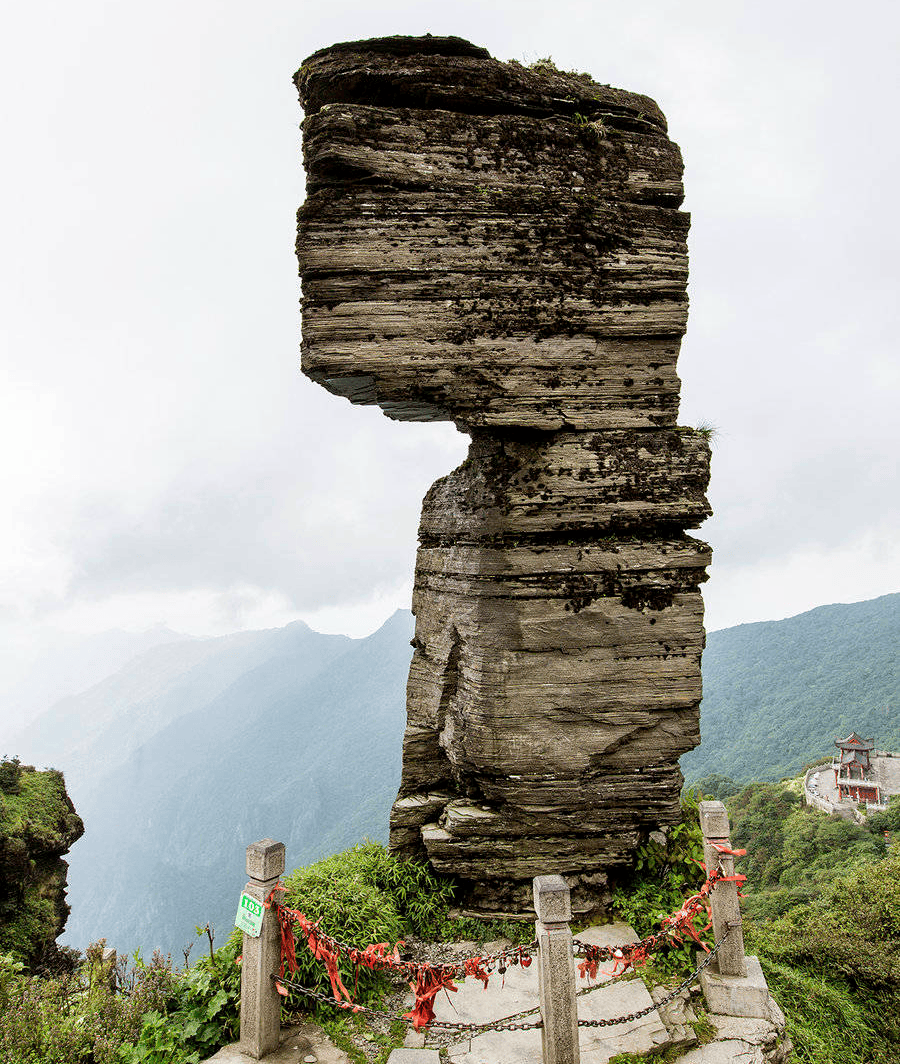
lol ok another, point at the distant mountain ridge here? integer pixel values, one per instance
(102, 726)
(776, 694)
(289, 734)
(66, 664)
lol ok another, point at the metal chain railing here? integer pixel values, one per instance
(432, 977)
(667, 1000)
(504, 1023)
(501, 1024)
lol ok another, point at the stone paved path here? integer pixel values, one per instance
(739, 1040)
(473, 1004)
(302, 1044)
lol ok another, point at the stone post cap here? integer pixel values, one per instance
(552, 899)
(714, 820)
(265, 859)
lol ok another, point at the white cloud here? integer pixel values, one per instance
(787, 584)
(162, 451)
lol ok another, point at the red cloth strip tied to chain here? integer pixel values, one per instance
(629, 955)
(429, 982)
(633, 955)
(720, 847)
(322, 947)
(682, 922)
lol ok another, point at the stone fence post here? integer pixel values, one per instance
(260, 1001)
(726, 909)
(556, 971)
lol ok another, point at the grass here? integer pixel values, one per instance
(349, 1032)
(36, 805)
(825, 1020)
(365, 895)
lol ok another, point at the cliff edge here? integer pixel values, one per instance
(38, 825)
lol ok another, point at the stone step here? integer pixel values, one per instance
(740, 1040)
(414, 1056)
(304, 1043)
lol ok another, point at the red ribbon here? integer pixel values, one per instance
(429, 982)
(431, 979)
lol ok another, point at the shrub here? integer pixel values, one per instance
(824, 919)
(888, 820)
(718, 786)
(10, 775)
(794, 851)
(200, 1013)
(156, 1017)
(366, 895)
(74, 1017)
(664, 875)
(359, 897)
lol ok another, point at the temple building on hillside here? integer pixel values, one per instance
(855, 775)
(861, 776)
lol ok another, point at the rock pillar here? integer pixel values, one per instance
(502, 247)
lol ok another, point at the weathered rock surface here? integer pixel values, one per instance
(488, 243)
(502, 247)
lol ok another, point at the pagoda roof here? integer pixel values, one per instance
(854, 742)
(853, 756)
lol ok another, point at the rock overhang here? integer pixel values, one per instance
(487, 243)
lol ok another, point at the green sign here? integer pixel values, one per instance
(249, 915)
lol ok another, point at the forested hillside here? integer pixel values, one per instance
(776, 694)
(822, 912)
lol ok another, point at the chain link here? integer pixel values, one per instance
(607, 953)
(668, 999)
(504, 1022)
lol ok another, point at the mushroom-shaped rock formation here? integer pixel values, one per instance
(502, 247)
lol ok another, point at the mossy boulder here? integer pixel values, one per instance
(38, 824)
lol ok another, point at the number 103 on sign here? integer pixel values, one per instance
(249, 915)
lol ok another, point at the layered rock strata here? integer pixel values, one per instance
(502, 247)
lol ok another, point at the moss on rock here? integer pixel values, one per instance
(38, 824)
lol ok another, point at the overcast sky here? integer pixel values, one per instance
(164, 460)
